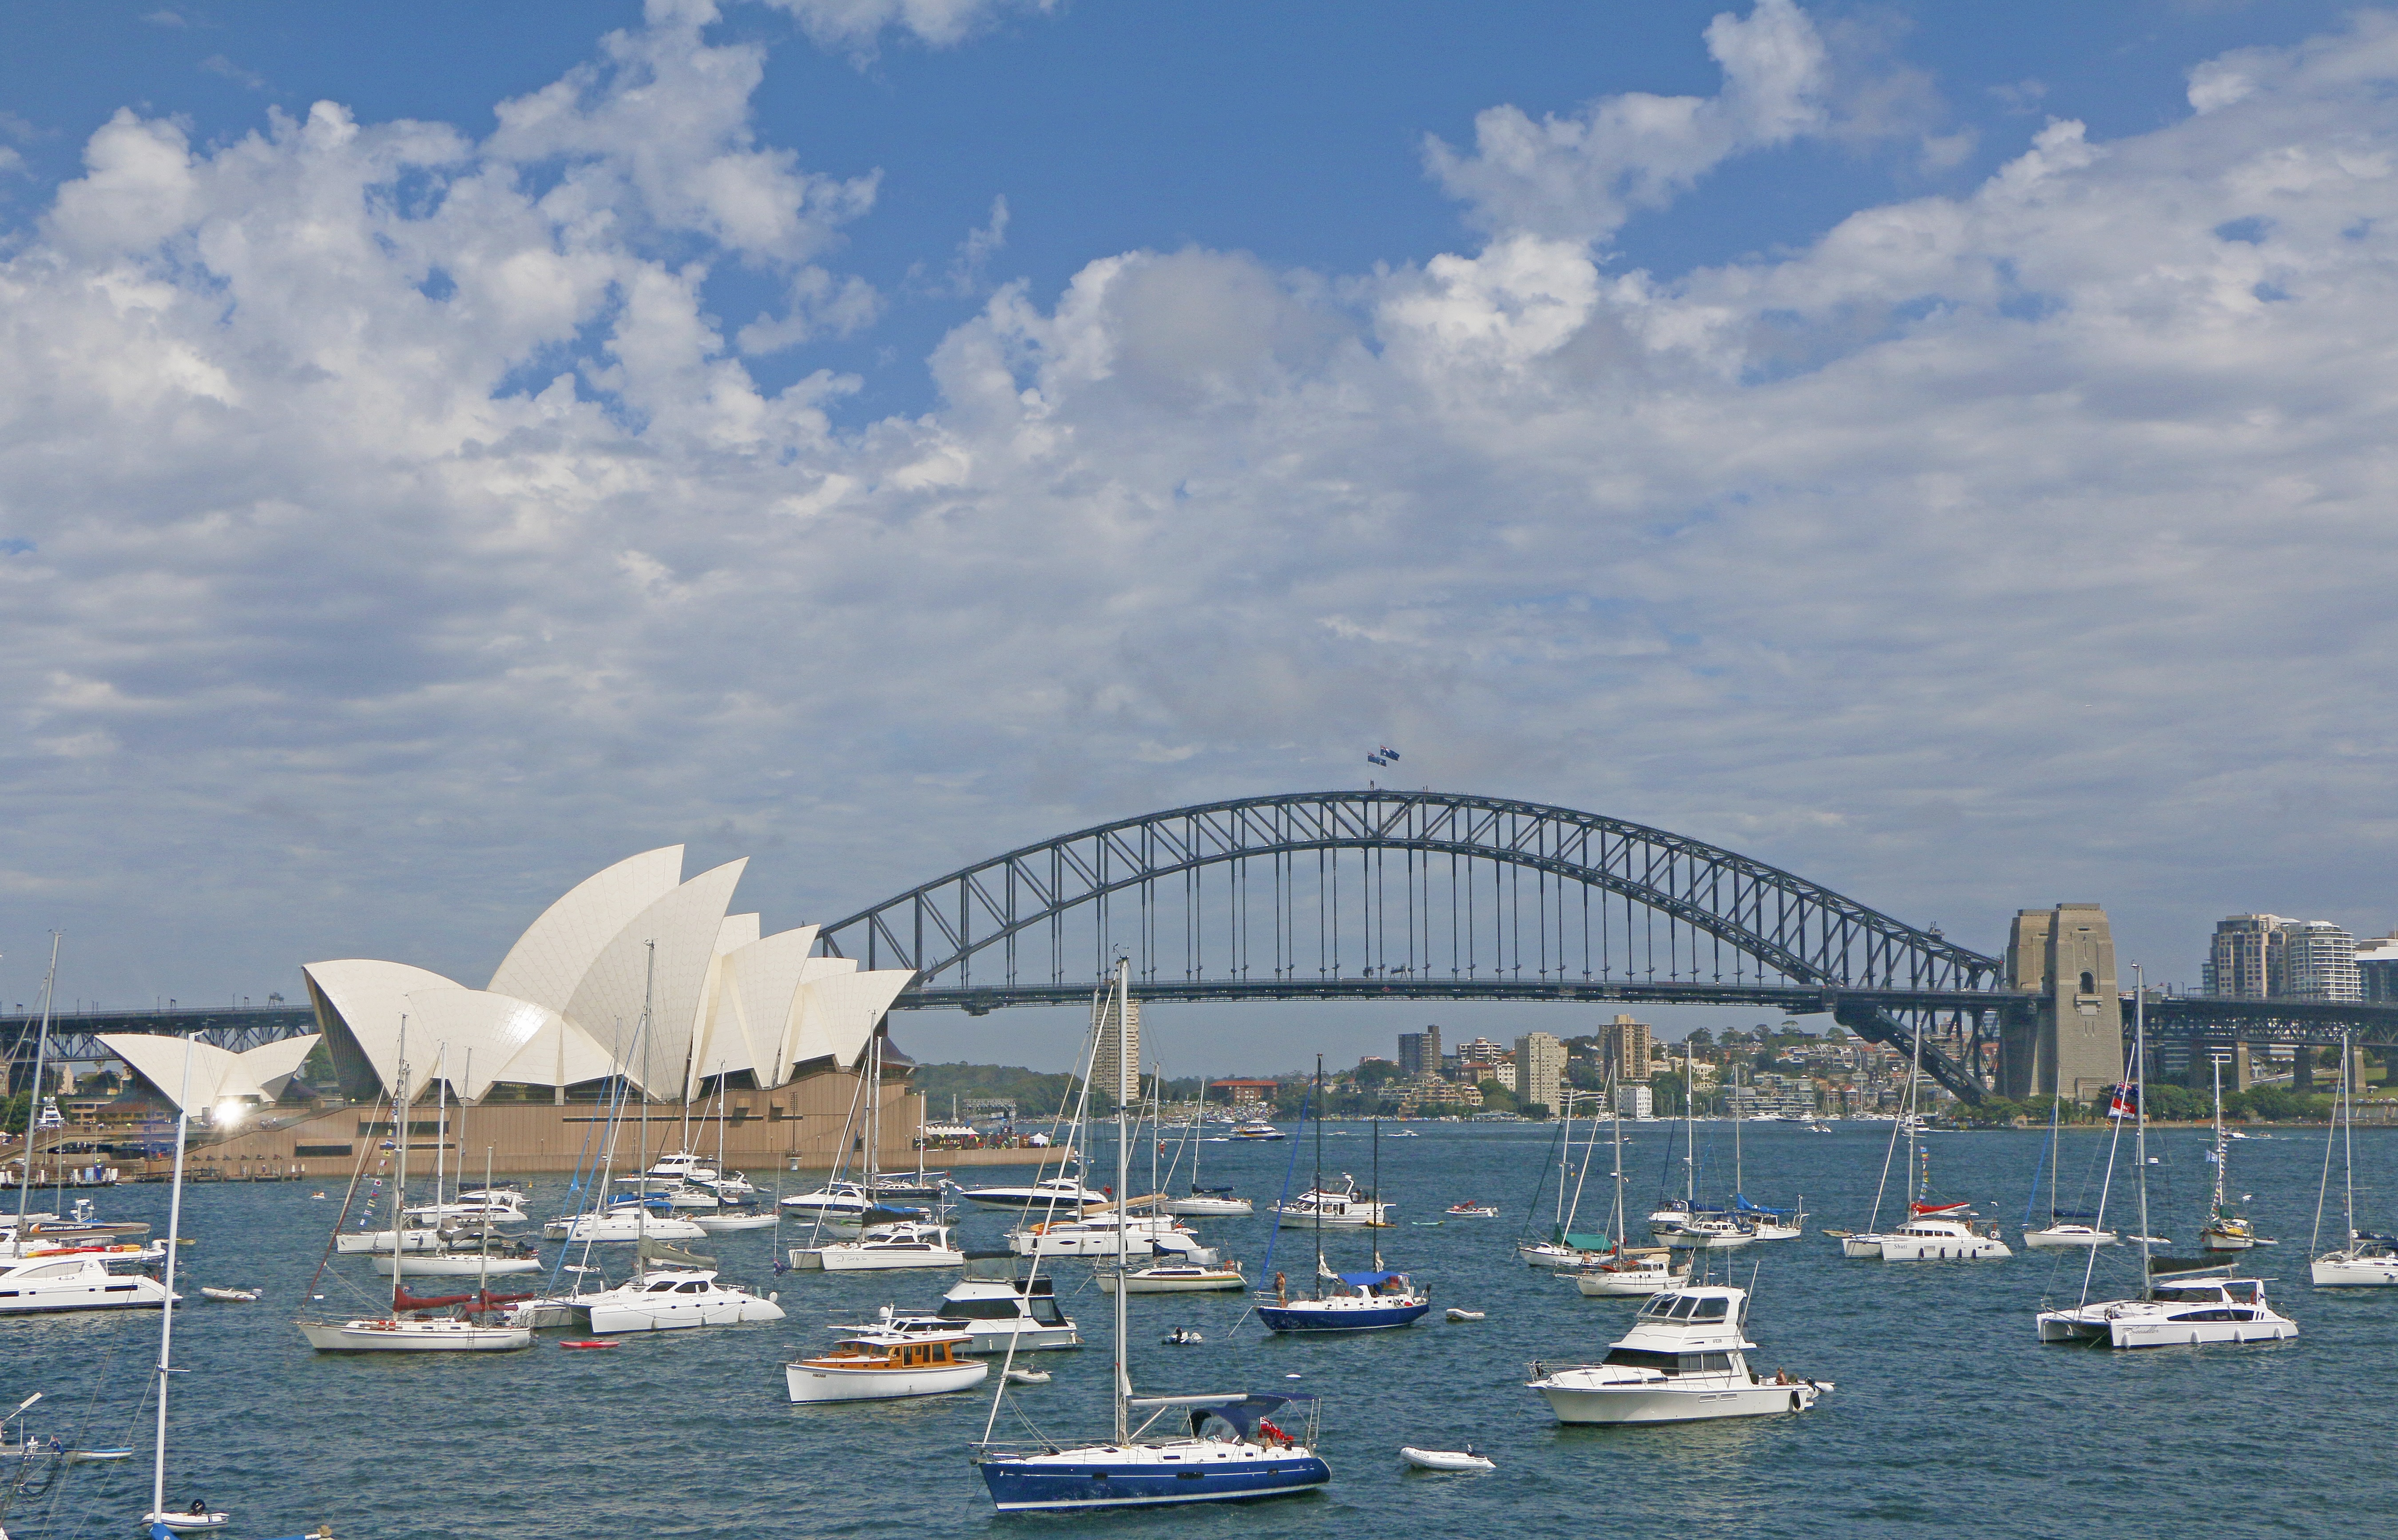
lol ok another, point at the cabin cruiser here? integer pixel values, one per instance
(2184, 1313)
(1333, 1207)
(665, 1301)
(1256, 1129)
(1704, 1233)
(996, 1313)
(2069, 1234)
(621, 1225)
(1684, 1360)
(681, 1166)
(78, 1280)
(907, 1242)
(874, 1366)
(1057, 1192)
(1633, 1272)
(1210, 1203)
(1374, 1301)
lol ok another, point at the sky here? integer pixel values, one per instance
(1942, 451)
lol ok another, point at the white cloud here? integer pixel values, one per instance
(1580, 177)
(399, 524)
(857, 26)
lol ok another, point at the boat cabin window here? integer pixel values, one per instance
(2189, 1294)
(1712, 1310)
(1706, 1363)
(1642, 1357)
(1683, 1307)
(2245, 1292)
(990, 1310)
(694, 1288)
(1046, 1311)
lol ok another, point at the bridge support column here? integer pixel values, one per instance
(2074, 1046)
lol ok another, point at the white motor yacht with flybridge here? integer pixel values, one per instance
(1685, 1360)
(2196, 1304)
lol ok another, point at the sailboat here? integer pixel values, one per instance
(741, 1215)
(2224, 1231)
(1371, 1300)
(2193, 1308)
(1629, 1272)
(400, 1331)
(198, 1517)
(1685, 1227)
(1174, 1268)
(892, 1243)
(1213, 1448)
(2064, 1230)
(1205, 1202)
(1761, 1223)
(2363, 1261)
(1564, 1250)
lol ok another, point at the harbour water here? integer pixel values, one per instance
(1948, 1418)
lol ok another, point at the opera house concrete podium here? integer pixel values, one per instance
(565, 1007)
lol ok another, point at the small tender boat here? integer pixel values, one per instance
(1181, 1336)
(1446, 1459)
(1473, 1210)
(1460, 1316)
(231, 1296)
(885, 1366)
(186, 1522)
(585, 1343)
(1030, 1376)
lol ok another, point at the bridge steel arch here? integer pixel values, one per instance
(1449, 922)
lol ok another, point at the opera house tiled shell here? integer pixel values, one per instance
(192, 1074)
(565, 1005)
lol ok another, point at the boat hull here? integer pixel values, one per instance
(373, 1336)
(804, 1382)
(2078, 1238)
(1330, 1316)
(454, 1266)
(2111, 1327)
(1186, 1283)
(1210, 1207)
(1094, 1478)
(2355, 1272)
(842, 1259)
(1669, 1404)
(668, 1315)
(1943, 1248)
(1631, 1283)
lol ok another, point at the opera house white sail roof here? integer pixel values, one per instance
(565, 1005)
(217, 1074)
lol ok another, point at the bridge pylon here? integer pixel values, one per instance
(2072, 1043)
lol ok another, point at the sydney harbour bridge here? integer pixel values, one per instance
(1391, 896)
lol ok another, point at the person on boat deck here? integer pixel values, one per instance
(199, 1506)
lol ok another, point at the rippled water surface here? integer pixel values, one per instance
(1948, 1418)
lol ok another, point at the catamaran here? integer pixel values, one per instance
(1216, 1447)
(2191, 1309)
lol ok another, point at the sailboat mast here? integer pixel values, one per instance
(2348, 1137)
(642, 1183)
(1616, 1099)
(1318, 1279)
(167, 1308)
(440, 1132)
(2140, 1110)
(1914, 1120)
(1689, 1127)
(400, 1177)
(1738, 1184)
(34, 1105)
(1375, 1213)
(1124, 1092)
(2214, 1061)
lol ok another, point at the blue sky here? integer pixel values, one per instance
(1936, 449)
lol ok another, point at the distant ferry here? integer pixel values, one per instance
(1258, 1131)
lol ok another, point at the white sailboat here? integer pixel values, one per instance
(2191, 1309)
(398, 1332)
(2224, 1231)
(1686, 1228)
(2064, 1230)
(1564, 1250)
(1629, 1272)
(2363, 1262)
(1205, 1202)
(198, 1517)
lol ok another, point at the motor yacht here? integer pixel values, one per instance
(1259, 1130)
(1471, 1210)
(2186, 1312)
(1369, 1302)
(2069, 1234)
(884, 1247)
(1171, 1278)
(682, 1166)
(995, 1313)
(1334, 1208)
(1111, 1235)
(1632, 1272)
(1057, 1192)
(670, 1301)
(874, 1366)
(1685, 1360)
(78, 1280)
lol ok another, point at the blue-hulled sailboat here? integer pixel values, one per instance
(1373, 1301)
(1210, 1448)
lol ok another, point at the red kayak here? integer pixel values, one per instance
(587, 1342)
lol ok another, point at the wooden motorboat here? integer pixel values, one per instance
(882, 1366)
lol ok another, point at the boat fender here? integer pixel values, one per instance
(773, 1295)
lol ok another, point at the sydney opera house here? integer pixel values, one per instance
(631, 945)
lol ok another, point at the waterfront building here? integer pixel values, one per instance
(1540, 1070)
(2377, 969)
(1420, 1053)
(1480, 1051)
(1249, 1096)
(1628, 1046)
(1636, 1102)
(2252, 956)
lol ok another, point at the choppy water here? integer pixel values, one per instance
(1948, 1417)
